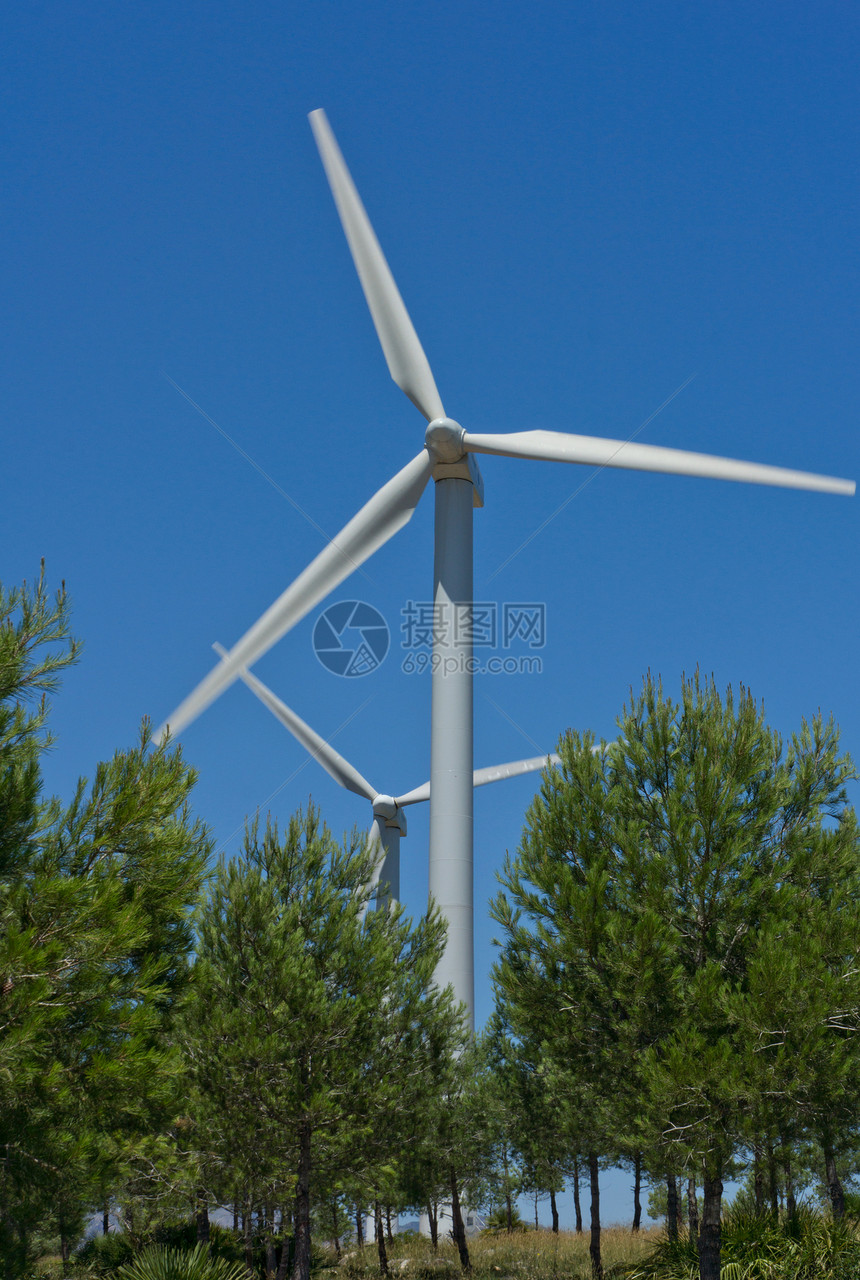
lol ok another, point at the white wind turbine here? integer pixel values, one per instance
(388, 819)
(447, 456)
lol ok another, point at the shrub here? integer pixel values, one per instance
(181, 1234)
(805, 1246)
(498, 1220)
(223, 1242)
(159, 1262)
(852, 1203)
(101, 1254)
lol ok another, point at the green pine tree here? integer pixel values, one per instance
(95, 904)
(671, 899)
(315, 1026)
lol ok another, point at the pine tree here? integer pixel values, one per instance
(736, 843)
(95, 903)
(584, 962)
(535, 1122)
(315, 1026)
(799, 1013)
(671, 896)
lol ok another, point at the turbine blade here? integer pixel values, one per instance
(490, 773)
(332, 761)
(497, 772)
(417, 796)
(558, 446)
(377, 521)
(407, 362)
(374, 841)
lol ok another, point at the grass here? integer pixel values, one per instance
(808, 1246)
(527, 1255)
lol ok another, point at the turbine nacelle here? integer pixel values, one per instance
(389, 811)
(444, 440)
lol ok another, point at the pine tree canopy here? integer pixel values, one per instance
(96, 897)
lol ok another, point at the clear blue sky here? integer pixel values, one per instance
(584, 205)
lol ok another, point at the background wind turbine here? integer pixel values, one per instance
(389, 821)
(448, 455)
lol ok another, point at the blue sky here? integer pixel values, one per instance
(586, 208)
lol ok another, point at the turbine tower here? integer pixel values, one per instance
(448, 456)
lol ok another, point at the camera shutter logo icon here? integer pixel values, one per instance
(351, 638)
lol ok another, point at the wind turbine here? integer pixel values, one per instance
(447, 456)
(388, 821)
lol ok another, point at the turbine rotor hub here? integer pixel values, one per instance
(387, 808)
(444, 439)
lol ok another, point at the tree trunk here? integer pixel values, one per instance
(709, 1232)
(509, 1209)
(285, 1265)
(637, 1187)
(285, 1258)
(247, 1233)
(380, 1238)
(594, 1244)
(20, 1254)
(834, 1186)
(433, 1220)
(202, 1218)
(554, 1207)
(105, 1218)
(758, 1180)
(671, 1207)
(693, 1212)
(359, 1227)
(302, 1212)
(458, 1230)
(388, 1230)
(577, 1206)
(790, 1202)
(334, 1229)
(271, 1259)
(773, 1183)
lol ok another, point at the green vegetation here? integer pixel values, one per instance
(678, 992)
(495, 1255)
(95, 941)
(805, 1246)
(161, 1263)
(680, 935)
(314, 1034)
